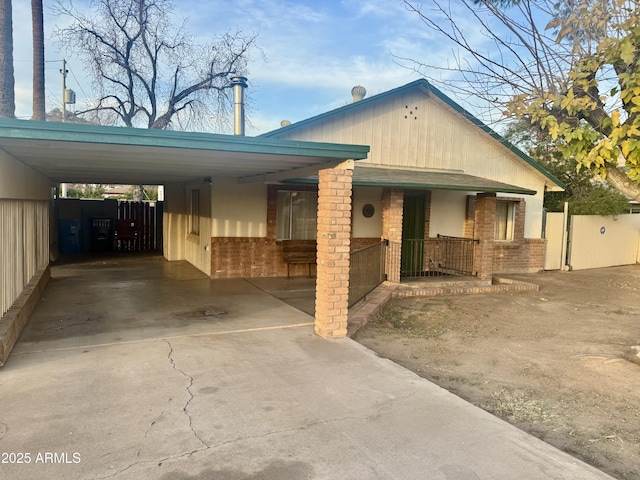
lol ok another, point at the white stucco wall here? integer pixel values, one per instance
(18, 181)
(238, 210)
(448, 209)
(367, 227)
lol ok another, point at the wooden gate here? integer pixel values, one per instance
(138, 227)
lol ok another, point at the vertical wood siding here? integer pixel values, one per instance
(24, 246)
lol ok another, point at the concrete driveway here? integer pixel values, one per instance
(175, 376)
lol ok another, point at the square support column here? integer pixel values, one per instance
(333, 261)
(484, 231)
(392, 205)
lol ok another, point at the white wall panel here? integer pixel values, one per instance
(24, 246)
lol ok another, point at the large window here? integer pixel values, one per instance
(505, 216)
(194, 212)
(297, 215)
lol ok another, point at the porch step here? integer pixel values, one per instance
(498, 285)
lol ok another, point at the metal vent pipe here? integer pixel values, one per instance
(239, 84)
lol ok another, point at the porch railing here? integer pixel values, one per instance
(366, 271)
(443, 255)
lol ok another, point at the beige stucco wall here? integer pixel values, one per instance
(367, 227)
(179, 244)
(238, 210)
(448, 209)
(18, 181)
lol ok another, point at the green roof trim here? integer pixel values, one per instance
(426, 86)
(423, 180)
(100, 134)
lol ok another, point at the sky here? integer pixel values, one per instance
(311, 52)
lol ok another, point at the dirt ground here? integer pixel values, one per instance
(561, 363)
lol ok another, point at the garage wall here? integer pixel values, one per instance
(24, 227)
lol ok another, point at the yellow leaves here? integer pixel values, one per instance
(627, 51)
(615, 118)
(624, 146)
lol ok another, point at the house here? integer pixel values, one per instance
(435, 175)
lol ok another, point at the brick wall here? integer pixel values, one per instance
(522, 256)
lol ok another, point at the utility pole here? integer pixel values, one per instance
(64, 72)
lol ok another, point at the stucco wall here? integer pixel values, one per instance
(238, 210)
(448, 209)
(367, 227)
(17, 181)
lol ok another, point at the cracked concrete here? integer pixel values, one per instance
(265, 400)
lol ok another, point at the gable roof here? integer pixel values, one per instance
(80, 153)
(427, 88)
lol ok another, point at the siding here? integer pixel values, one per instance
(24, 246)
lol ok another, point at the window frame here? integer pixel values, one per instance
(291, 193)
(509, 225)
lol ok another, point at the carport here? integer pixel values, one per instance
(37, 155)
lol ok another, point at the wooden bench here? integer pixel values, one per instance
(299, 251)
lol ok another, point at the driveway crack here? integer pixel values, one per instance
(185, 409)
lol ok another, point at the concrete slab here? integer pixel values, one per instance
(225, 403)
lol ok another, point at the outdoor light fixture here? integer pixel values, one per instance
(207, 180)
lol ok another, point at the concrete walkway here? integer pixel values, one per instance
(259, 397)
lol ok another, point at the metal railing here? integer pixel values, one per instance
(443, 255)
(366, 270)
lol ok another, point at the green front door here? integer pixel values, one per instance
(413, 220)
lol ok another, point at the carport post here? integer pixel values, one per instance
(334, 246)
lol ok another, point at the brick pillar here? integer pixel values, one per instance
(392, 202)
(485, 224)
(334, 238)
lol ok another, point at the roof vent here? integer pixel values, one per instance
(285, 123)
(358, 92)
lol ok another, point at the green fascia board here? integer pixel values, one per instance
(428, 88)
(139, 137)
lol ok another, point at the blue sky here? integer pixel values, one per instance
(313, 53)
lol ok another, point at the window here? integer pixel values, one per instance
(296, 215)
(505, 215)
(194, 213)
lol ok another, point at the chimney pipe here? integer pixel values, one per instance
(239, 84)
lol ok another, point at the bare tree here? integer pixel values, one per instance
(37, 22)
(150, 73)
(7, 94)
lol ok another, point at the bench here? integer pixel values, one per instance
(299, 251)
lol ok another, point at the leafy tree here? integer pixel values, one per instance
(568, 67)
(86, 191)
(7, 95)
(585, 195)
(150, 73)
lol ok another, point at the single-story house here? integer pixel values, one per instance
(434, 171)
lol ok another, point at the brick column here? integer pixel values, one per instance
(334, 237)
(485, 224)
(392, 202)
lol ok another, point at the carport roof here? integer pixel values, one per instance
(424, 180)
(75, 153)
